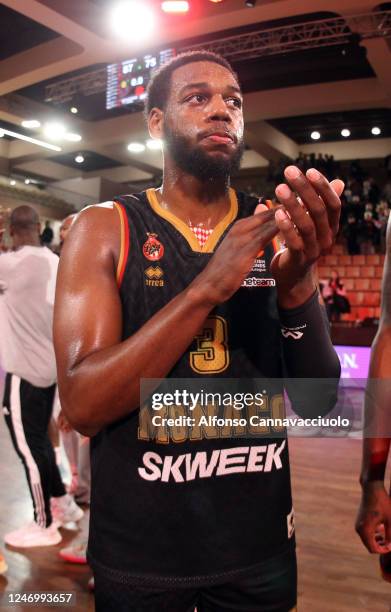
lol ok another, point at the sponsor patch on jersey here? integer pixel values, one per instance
(259, 265)
(253, 281)
(153, 249)
(224, 462)
(154, 276)
(293, 332)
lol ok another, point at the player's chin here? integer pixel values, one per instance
(221, 152)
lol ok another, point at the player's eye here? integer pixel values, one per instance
(196, 98)
(236, 102)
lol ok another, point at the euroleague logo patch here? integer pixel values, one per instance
(153, 248)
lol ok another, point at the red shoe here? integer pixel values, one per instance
(75, 554)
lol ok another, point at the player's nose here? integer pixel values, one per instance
(217, 109)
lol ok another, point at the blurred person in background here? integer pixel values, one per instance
(65, 227)
(27, 284)
(368, 234)
(383, 213)
(334, 296)
(350, 232)
(47, 235)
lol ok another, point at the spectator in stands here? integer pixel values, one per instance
(356, 170)
(300, 161)
(47, 235)
(373, 191)
(331, 166)
(350, 232)
(383, 212)
(334, 296)
(386, 193)
(368, 234)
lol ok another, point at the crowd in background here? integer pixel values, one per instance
(366, 202)
(365, 211)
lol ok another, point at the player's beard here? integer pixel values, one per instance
(197, 162)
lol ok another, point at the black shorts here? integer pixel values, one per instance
(273, 589)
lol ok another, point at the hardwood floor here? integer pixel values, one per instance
(336, 574)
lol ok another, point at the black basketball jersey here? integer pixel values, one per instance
(190, 505)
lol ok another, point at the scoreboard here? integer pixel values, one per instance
(127, 81)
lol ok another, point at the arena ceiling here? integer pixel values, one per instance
(293, 84)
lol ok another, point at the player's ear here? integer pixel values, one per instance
(155, 123)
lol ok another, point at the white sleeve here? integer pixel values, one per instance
(4, 268)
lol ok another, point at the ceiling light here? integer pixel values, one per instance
(31, 124)
(315, 135)
(35, 141)
(79, 159)
(345, 133)
(27, 181)
(72, 137)
(74, 110)
(175, 6)
(136, 147)
(1, 133)
(154, 144)
(376, 131)
(12, 182)
(250, 3)
(216, 1)
(133, 20)
(54, 131)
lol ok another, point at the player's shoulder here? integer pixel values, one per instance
(100, 224)
(103, 212)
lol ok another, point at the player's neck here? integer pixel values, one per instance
(195, 201)
(25, 239)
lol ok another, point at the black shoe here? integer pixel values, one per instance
(385, 566)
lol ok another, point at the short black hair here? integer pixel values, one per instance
(158, 89)
(24, 218)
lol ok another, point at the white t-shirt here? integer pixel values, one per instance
(27, 287)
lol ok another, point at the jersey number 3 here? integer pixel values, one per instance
(212, 355)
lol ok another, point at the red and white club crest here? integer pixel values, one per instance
(153, 248)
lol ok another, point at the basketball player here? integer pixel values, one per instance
(374, 518)
(180, 282)
(27, 284)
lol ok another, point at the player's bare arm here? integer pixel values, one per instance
(374, 516)
(93, 363)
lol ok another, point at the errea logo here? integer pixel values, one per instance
(154, 276)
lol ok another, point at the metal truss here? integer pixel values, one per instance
(259, 43)
(300, 36)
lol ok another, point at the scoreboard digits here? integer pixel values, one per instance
(127, 81)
